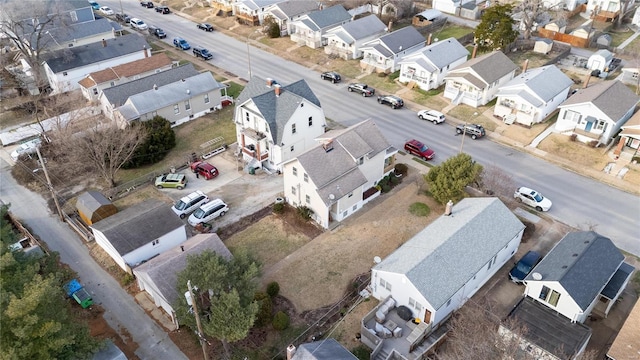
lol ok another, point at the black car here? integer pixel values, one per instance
(334, 77)
(202, 52)
(163, 9)
(524, 266)
(363, 89)
(123, 18)
(473, 130)
(205, 27)
(391, 100)
(157, 32)
(147, 4)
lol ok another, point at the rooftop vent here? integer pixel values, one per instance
(448, 208)
(536, 276)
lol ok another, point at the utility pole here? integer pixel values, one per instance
(53, 194)
(197, 314)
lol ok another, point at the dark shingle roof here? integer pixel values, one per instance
(364, 27)
(327, 349)
(296, 7)
(82, 30)
(78, 56)
(617, 281)
(330, 16)
(489, 68)
(611, 97)
(402, 39)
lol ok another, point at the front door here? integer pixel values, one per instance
(587, 127)
(427, 316)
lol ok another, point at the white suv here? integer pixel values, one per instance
(138, 24)
(435, 117)
(187, 204)
(208, 212)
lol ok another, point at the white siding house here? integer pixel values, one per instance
(383, 54)
(283, 13)
(308, 29)
(79, 34)
(345, 40)
(252, 12)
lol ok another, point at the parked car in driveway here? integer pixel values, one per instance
(391, 100)
(26, 148)
(181, 43)
(532, 198)
(202, 53)
(205, 26)
(189, 203)
(208, 212)
(332, 76)
(473, 130)
(524, 266)
(435, 117)
(178, 181)
(204, 169)
(138, 24)
(163, 9)
(362, 89)
(419, 149)
(157, 32)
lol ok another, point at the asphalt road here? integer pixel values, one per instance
(122, 313)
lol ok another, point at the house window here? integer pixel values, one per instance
(350, 194)
(385, 284)
(601, 125)
(550, 296)
(187, 105)
(571, 116)
(64, 73)
(206, 98)
(70, 45)
(361, 161)
(95, 91)
(310, 120)
(293, 190)
(176, 109)
(344, 214)
(544, 293)
(294, 170)
(293, 128)
(291, 148)
(307, 198)
(112, 83)
(246, 116)
(306, 177)
(155, 242)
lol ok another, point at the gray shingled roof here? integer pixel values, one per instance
(537, 86)
(83, 30)
(612, 98)
(258, 4)
(489, 67)
(327, 349)
(138, 225)
(440, 54)
(296, 7)
(78, 56)
(582, 262)
(449, 252)
(402, 39)
(276, 110)
(327, 17)
(163, 269)
(618, 280)
(363, 27)
(90, 201)
(118, 95)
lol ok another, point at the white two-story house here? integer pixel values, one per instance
(283, 13)
(308, 29)
(276, 122)
(252, 12)
(384, 53)
(333, 178)
(345, 40)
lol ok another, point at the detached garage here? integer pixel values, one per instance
(92, 207)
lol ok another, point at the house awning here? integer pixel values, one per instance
(614, 286)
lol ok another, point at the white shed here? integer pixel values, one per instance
(543, 46)
(600, 60)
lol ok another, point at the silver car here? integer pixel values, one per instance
(189, 203)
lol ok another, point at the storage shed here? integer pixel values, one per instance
(92, 207)
(600, 60)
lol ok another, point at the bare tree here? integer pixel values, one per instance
(495, 181)
(530, 10)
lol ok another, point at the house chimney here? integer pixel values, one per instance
(155, 87)
(104, 43)
(291, 350)
(328, 146)
(182, 248)
(269, 82)
(448, 208)
(586, 82)
(277, 90)
(525, 66)
(429, 39)
(475, 51)
(389, 26)
(144, 50)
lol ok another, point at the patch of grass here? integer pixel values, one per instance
(636, 281)
(452, 30)
(234, 89)
(466, 113)
(419, 209)
(384, 83)
(420, 161)
(574, 151)
(619, 36)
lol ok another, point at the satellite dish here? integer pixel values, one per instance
(376, 259)
(536, 276)
(332, 197)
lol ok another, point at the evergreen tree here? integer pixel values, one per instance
(497, 29)
(448, 180)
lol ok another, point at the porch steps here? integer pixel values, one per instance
(382, 355)
(417, 332)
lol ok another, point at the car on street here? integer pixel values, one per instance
(106, 10)
(524, 266)
(181, 43)
(202, 53)
(332, 76)
(435, 117)
(362, 89)
(204, 169)
(26, 148)
(532, 198)
(189, 203)
(122, 17)
(391, 100)
(417, 148)
(163, 9)
(473, 130)
(157, 32)
(208, 212)
(147, 4)
(138, 24)
(205, 26)
(94, 5)
(178, 181)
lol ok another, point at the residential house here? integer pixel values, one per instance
(252, 12)
(436, 271)
(466, 9)
(630, 75)
(326, 349)
(159, 276)
(626, 346)
(532, 96)
(64, 68)
(276, 123)
(542, 333)
(308, 29)
(345, 40)
(222, 7)
(81, 34)
(604, 11)
(283, 13)
(630, 134)
(597, 112)
(583, 275)
(383, 54)
(140, 232)
(636, 17)
(477, 81)
(391, 9)
(93, 84)
(428, 66)
(336, 178)
(569, 5)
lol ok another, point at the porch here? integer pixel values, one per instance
(252, 145)
(247, 19)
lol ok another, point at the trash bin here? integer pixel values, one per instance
(252, 170)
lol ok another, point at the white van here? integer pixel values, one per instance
(208, 212)
(189, 203)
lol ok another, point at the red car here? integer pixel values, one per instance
(419, 149)
(204, 169)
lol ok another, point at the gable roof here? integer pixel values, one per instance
(163, 96)
(163, 269)
(292, 8)
(277, 110)
(359, 29)
(488, 67)
(583, 262)
(397, 41)
(118, 95)
(626, 346)
(321, 19)
(79, 56)
(438, 55)
(336, 172)
(83, 30)
(138, 225)
(90, 201)
(537, 86)
(476, 230)
(327, 349)
(126, 70)
(612, 98)
(258, 4)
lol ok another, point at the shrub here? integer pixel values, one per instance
(381, 74)
(419, 209)
(278, 208)
(385, 188)
(273, 29)
(126, 279)
(305, 213)
(593, 143)
(573, 137)
(394, 75)
(394, 180)
(280, 321)
(264, 315)
(401, 169)
(273, 289)
(362, 352)
(159, 139)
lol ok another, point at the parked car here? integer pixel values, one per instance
(147, 4)
(205, 26)
(157, 32)
(106, 10)
(94, 5)
(208, 212)
(138, 24)
(532, 198)
(27, 148)
(473, 130)
(122, 17)
(435, 117)
(181, 43)
(204, 169)
(391, 100)
(163, 9)
(524, 266)
(202, 52)
(332, 76)
(419, 149)
(178, 181)
(189, 203)
(363, 89)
